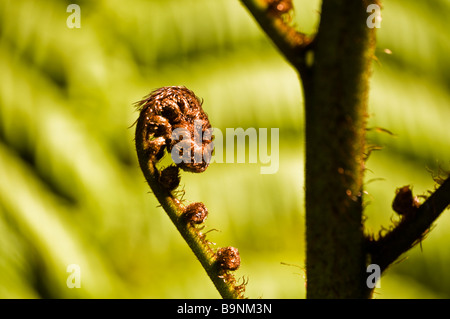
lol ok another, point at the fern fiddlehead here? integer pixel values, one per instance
(172, 120)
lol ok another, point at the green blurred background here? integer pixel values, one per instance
(71, 191)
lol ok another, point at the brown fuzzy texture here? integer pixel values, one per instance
(228, 258)
(404, 203)
(196, 213)
(177, 108)
(278, 7)
(169, 177)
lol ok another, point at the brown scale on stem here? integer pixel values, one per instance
(279, 7)
(169, 177)
(195, 213)
(228, 258)
(404, 203)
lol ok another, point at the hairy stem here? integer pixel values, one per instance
(410, 230)
(335, 85)
(336, 107)
(289, 41)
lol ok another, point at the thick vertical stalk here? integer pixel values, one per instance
(336, 90)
